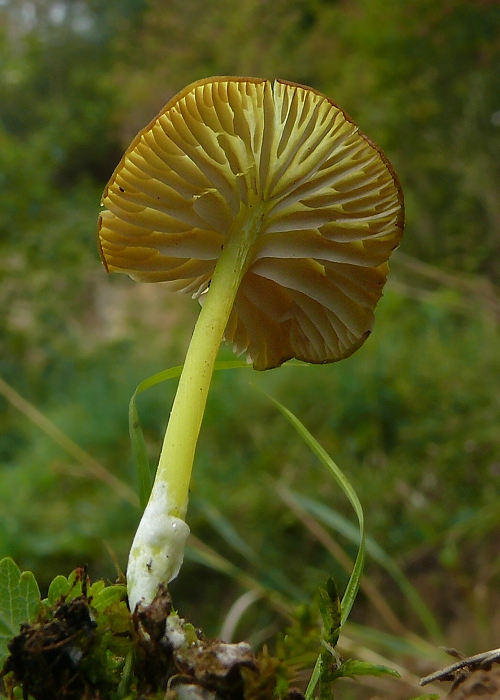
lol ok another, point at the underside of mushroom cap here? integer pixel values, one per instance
(333, 213)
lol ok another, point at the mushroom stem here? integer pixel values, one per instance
(158, 548)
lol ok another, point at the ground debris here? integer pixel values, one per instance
(474, 678)
(46, 656)
(200, 668)
(480, 684)
(88, 646)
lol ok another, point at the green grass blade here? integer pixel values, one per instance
(394, 645)
(355, 578)
(139, 451)
(225, 529)
(269, 576)
(144, 473)
(314, 679)
(339, 523)
(201, 553)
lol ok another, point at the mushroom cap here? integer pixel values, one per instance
(333, 213)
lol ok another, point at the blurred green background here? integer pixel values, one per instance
(413, 418)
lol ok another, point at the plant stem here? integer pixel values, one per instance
(176, 459)
(158, 547)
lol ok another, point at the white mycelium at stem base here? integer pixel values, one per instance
(158, 548)
(268, 192)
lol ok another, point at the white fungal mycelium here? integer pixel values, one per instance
(157, 550)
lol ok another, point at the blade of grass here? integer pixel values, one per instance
(313, 681)
(377, 600)
(91, 465)
(144, 473)
(391, 644)
(273, 577)
(325, 459)
(201, 553)
(355, 577)
(340, 524)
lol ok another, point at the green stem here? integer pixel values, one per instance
(158, 547)
(177, 455)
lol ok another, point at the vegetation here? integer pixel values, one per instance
(412, 418)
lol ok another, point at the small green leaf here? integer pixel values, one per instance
(19, 602)
(107, 596)
(352, 668)
(329, 607)
(59, 587)
(75, 581)
(429, 696)
(96, 588)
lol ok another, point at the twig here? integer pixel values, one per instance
(486, 658)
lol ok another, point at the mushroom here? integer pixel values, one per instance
(265, 201)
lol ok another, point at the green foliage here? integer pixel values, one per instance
(344, 527)
(412, 417)
(80, 637)
(84, 640)
(74, 586)
(420, 78)
(19, 602)
(330, 609)
(59, 588)
(352, 668)
(300, 644)
(329, 659)
(330, 666)
(337, 474)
